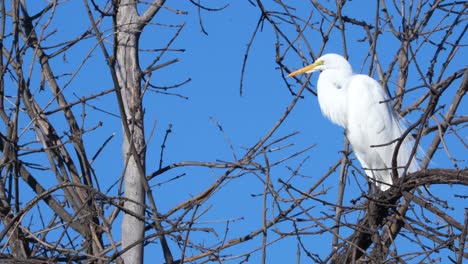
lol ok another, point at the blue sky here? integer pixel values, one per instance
(213, 63)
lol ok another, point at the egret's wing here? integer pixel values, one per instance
(373, 126)
(406, 147)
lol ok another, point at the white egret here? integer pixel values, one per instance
(360, 105)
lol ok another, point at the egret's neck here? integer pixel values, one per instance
(339, 78)
(332, 94)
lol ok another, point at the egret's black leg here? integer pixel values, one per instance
(373, 189)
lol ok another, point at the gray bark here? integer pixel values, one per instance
(129, 76)
(128, 26)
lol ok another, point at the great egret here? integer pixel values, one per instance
(362, 107)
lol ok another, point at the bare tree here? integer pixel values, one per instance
(412, 47)
(429, 35)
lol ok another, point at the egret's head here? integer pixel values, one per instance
(326, 62)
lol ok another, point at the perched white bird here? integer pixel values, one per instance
(362, 107)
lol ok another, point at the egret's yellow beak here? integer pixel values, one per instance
(306, 68)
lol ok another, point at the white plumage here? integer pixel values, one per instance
(362, 107)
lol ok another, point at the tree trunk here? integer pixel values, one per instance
(129, 77)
